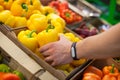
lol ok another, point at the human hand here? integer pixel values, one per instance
(57, 53)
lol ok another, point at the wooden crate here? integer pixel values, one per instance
(18, 49)
(98, 63)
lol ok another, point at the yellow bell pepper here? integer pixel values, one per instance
(47, 36)
(35, 12)
(4, 15)
(35, 3)
(1, 8)
(19, 8)
(6, 4)
(77, 63)
(37, 22)
(28, 39)
(32, 6)
(20, 21)
(53, 16)
(57, 25)
(37, 52)
(65, 67)
(71, 37)
(10, 21)
(47, 10)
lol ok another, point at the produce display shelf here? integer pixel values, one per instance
(33, 67)
(27, 59)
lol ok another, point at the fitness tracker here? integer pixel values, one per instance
(73, 51)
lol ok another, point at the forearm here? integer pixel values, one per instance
(106, 44)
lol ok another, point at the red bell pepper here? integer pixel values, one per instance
(8, 76)
(59, 5)
(67, 15)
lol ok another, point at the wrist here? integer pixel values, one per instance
(73, 51)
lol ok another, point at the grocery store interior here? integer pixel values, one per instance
(27, 25)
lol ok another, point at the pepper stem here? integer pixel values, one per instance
(31, 3)
(24, 6)
(112, 70)
(67, 14)
(6, 0)
(30, 34)
(50, 26)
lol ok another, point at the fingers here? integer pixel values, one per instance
(45, 47)
(50, 60)
(47, 53)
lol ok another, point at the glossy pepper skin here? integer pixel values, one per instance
(19, 8)
(37, 22)
(20, 21)
(47, 36)
(18, 73)
(110, 73)
(109, 77)
(8, 76)
(55, 18)
(56, 25)
(67, 15)
(28, 38)
(4, 15)
(71, 37)
(33, 5)
(10, 21)
(36, 4)
(25, 7)
(1, 8)
(6, 4)
(110, 70)
(47, 10)
(4, 68)
(7, 18)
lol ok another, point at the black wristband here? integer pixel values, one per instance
(73, 51)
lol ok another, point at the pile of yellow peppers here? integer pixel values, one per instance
(16, 13)
(42, 22)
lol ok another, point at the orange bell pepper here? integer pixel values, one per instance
(111, 70)
(109, 77)
(92, 69)
(91, 76)
(118, 77)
